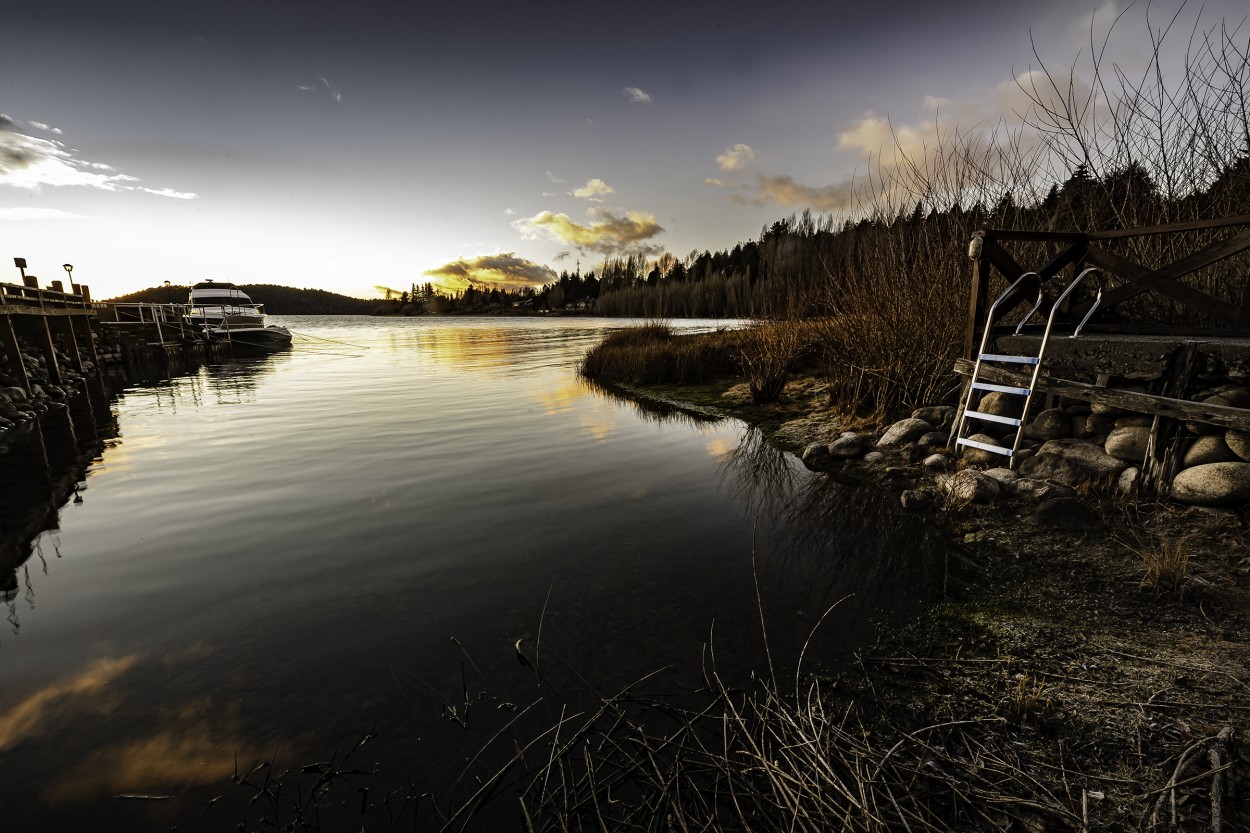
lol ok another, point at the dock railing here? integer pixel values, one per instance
(1077, 250)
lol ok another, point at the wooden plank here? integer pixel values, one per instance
(16, 309)
(1025, 234)
(1002, 260)
(1144, 403)
(1168, 228)
(83, 325)
(976, 304)
(1142, 280)
(49, 352)
(1068, 255)
(1166, 330)
(71, 343)
(1214, 253)
(16, 363)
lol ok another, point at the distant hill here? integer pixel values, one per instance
(278, 300)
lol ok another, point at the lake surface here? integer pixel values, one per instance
(275, 556)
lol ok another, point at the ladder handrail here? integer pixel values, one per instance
(985, 335)
(967, 398)
(1041, 351)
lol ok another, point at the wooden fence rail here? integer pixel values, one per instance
(1082, 249)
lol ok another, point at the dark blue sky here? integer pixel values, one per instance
(347, 145)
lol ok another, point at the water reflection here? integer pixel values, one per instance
(43, 468)
(836, 541)
(59, 701)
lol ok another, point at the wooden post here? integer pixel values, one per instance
(49, 351)
(75, 355)
(16, 364)
(1163, 450)
(976, 300)
(83, 323)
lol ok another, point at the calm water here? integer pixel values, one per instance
(277, 555)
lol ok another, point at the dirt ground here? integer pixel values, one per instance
(1127, 699)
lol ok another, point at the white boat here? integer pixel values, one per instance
(223, 312)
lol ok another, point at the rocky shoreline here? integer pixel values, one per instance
(1096, 635)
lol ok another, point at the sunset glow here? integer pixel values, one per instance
(305, 146)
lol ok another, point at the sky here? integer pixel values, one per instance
(349, 146)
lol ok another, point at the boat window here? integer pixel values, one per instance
(222, 300)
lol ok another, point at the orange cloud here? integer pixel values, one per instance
(609, 236)
(501, 271)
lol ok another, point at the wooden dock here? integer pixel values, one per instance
(39, 316)
(1165, 328)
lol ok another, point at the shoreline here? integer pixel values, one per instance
(1053, 641)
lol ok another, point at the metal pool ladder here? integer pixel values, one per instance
(973, 392)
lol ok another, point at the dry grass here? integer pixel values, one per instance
(653, 354)
(1167, 566)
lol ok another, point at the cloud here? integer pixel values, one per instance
(508, 212)
(500, 271)
(31, 162)
(169, 192)
(714, 182)
(736, 158)
(592, 189)
(38, 214)
(38, 125)
(562, 255)
(636, 95)
(609, 235)
(554, 178)
(331, 89)
(783, 190)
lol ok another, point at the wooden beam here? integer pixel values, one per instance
(21, 309)
(75, 355)
(16, 363)
(1169, 228)
(1001, 260)
(1025, 234)
(88, 336)
(976, 303)
(49, 351)
(1144, 403)
(1162, 281)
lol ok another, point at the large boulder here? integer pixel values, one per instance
(1238, 442)
(1203, 428)
(1057, 469)
(1031, 489)
(979, 456)
(1051, 424)
(816, 457)
(848, 447)
(1001, 404)
(969, 486)
(904, 431)
(1088, 454)
(935, 414)
(1213, 484)
(1128, 443)
(1209, 449)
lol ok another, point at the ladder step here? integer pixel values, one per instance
(1001, 388)
(992, 418)
(996, 449)
(994, 357)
